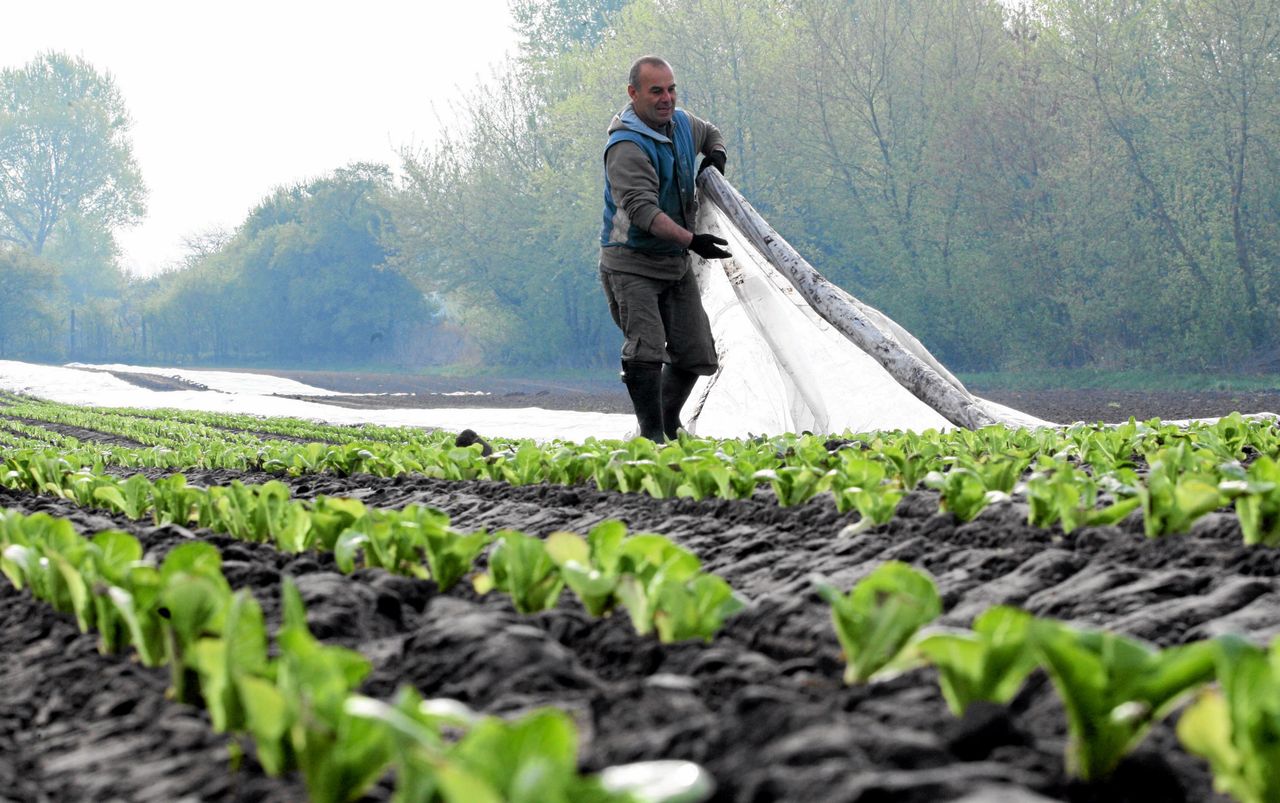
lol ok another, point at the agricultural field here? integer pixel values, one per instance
(221, 607)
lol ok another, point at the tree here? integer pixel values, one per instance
(1224, 61)
(27, 319)
(302, 280)
(64, 150)
(548, 28)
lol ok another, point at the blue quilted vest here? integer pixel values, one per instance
(674, 160)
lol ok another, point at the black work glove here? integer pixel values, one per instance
(707, 246)
(716, 159)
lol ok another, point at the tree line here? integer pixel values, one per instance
(1067, 183)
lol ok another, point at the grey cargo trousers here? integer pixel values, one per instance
(662, 320)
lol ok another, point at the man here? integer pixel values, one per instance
(649, 211)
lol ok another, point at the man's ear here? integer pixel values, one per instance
(631, 92)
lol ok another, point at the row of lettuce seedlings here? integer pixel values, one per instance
(1184, 474)
(1113, 687)
(296, 701)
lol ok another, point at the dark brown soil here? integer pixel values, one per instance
(156, 381)
(590, 395)
(1061, 406)
(1115, 406)
(762, 706)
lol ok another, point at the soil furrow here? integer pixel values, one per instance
(82, 434)
(763, 706)
(77, 725)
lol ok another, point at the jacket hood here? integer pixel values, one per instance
(628, 119)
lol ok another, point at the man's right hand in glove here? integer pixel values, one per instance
(707, 246)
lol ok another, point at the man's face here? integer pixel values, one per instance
(655, 98)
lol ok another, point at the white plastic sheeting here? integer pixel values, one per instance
(783, 368)
(243, 393)
(220, 381)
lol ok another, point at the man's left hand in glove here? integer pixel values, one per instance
(716, 159)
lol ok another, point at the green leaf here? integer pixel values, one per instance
(1238, 729)
(350, 544)
(564, 547)
(694, 608)
(529, 760)
(636, 599)
(116, 552)
(520, 566)
(267, 718)
(589, 566)
(1114, 688)
(879, 616)
(144, 631)
(987, 663)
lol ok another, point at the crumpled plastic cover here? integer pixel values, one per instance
(783, 368)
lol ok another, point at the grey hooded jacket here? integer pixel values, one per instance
(634, 183)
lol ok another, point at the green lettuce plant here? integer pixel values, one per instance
(659, 583)
(1236, 727)
(988, 663)
(114, 559)
(795, 485)
(330, 517)
(589, 565)
(449, 553)
(694, 608)
(704, 476)
(1180, 488)
(963, 491)
(1060, 493)
(222, 659)
(193, 600)
(520, 566)
(1257, 501)
(131, 497)
(647, 564)
(340, 755)
(861, 484)
(173, 501)
(532, 759)
(525, 467)
(1114, 688)
(878, 617)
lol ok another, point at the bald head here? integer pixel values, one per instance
(652, 89)
(633, 77)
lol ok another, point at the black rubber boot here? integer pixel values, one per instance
(644, 384)
(677, 383)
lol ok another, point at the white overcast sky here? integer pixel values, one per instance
(231, 99)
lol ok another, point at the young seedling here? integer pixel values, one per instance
(529, 759)
(988, 663)
(1237, 728)
(340, 755)
(1114, 688)
(963, 491)
(1179, 490)
(1257, 502)
(589, 565)
(879, 616)
(520, 566)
